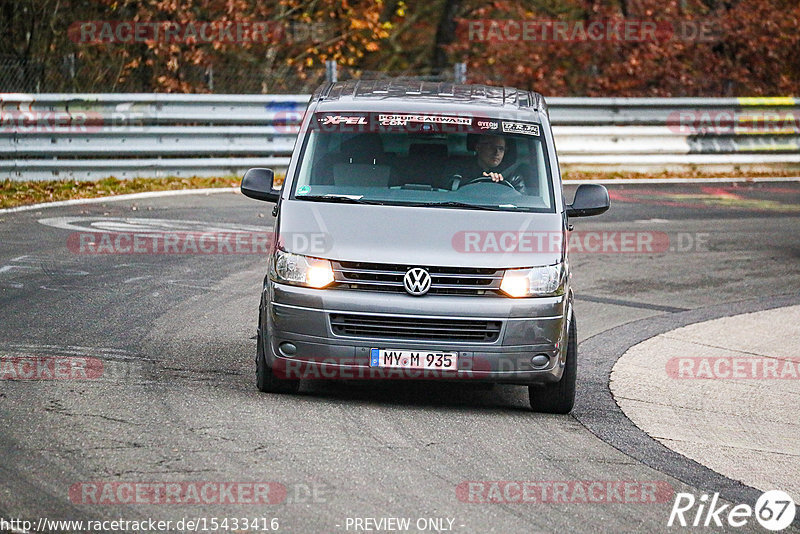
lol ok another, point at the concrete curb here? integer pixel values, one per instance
(597, 410)
(743, 427)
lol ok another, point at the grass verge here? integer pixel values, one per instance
(33, 192)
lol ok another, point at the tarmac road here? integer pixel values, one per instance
(177, 402)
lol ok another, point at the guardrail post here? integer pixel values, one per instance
(210, 78)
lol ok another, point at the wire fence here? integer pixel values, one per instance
(20, 75)
(71, 75)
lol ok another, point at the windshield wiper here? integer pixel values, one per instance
(344, 199)
(455, 204)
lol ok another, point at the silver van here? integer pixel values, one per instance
(421, 233)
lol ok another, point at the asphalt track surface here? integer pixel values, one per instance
(177, 400)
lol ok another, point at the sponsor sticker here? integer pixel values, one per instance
(520, 128)
(402, 120)
(488, 125)
(341, 119)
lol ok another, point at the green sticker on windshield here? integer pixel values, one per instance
(303, 190)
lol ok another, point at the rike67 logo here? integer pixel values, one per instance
(774, 510)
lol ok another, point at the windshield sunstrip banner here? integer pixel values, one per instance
(420, 123)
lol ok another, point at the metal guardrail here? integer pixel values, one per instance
(90, 136)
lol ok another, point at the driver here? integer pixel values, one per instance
(489, 152)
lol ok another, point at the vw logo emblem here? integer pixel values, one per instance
(417, 281)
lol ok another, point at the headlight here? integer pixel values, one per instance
(533, 282)
(301, 270)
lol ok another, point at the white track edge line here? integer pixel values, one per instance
(207, 191)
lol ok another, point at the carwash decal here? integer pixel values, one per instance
(404, 120)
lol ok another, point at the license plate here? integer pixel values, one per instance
(413, 359)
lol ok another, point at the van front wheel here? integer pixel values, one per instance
(559, 397)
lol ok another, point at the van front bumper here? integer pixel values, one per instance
(301, 341)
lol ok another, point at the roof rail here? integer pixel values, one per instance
(406, 88)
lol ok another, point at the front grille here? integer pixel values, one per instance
(389, 278)
(443, 329)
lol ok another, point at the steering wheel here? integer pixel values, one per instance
(487, 179)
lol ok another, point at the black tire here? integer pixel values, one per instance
(266, 381)
(559, 397)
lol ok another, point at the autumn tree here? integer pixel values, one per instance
(751, 50)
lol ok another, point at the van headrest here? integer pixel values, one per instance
(427, 151)
(363, 144)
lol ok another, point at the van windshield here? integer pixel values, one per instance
(392, 159)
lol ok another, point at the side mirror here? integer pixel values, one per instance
(257, 183)
(590, 199)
